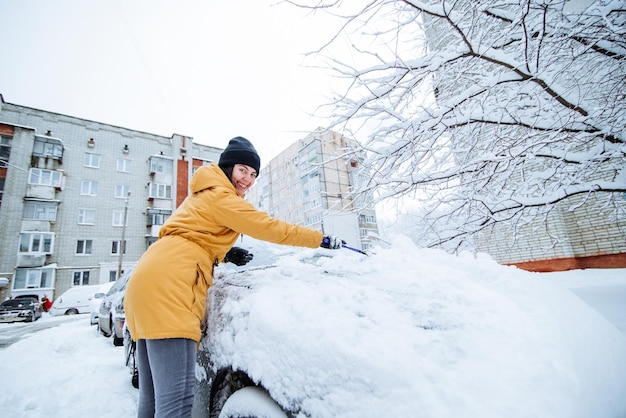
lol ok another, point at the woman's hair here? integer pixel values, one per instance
(228, 170)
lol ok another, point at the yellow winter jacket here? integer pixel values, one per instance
(166, 295)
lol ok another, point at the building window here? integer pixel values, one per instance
(313, 219)
(369, 219)
(157, 217)
(81, 278)
(122, 191)
(89, 187)
(48, 147)
(91, 160)
(150, 241)
(5, 150)
(123, 164)
(86, 216)
(160, 191)
(118, 218)
(112, 275)
(41, 211)
(312, 204)
(83, 247)
(161, 165)
(115, 247)
(36, 243)
(33, 278)
(44, 177)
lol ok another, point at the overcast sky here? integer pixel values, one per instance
(207, 69)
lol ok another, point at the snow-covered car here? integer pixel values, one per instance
(94, 303)
(112, 317)
(402, 332)
(75, 300)
(21, 309)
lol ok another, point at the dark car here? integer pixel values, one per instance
(111, 317)
(22, 309)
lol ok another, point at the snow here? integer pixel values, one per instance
(68, 370)
(492, 341)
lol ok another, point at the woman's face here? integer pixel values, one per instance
(243, 178)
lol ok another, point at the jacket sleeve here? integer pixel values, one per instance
(235, 213)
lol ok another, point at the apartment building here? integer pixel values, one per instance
(311, 183)
(80, 201)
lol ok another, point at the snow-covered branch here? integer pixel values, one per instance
(486, 112)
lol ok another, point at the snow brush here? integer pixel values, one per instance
(353, 249)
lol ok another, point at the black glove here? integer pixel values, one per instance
(238, 256)
(332, 242)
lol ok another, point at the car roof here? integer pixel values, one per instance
(36, 297)
(104, 288)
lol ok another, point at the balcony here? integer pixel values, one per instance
(154, 230)
(31, 260)
(43, 184)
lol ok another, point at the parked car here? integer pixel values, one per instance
(111, 317)
(94, 304)
(21, 309)
(33, 296)
(401, 332)
(75, 300)
(28, 296)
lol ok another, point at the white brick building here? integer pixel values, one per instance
(65, 185)
(310, 184)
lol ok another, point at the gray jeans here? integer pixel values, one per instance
(166, 377)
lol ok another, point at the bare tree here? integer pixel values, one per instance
(488, 111)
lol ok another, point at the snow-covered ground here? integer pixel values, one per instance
(71, 371)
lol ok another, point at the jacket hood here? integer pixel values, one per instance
(209, 176)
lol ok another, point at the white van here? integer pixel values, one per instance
(74, 301)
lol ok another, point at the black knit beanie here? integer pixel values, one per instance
(240, 151)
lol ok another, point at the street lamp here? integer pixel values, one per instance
(122, 244)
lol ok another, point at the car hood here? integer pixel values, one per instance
(408, 330)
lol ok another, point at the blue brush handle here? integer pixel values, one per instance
(353, 249)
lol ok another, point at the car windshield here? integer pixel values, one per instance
(120, 284)
(16, 303)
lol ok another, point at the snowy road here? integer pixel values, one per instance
(12, 333)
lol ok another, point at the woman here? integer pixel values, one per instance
(166, 296)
